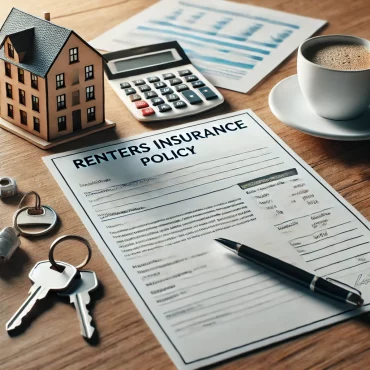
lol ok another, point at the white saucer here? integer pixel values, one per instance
(290, 107)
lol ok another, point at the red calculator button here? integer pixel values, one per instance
(141, 104)
(147, 111)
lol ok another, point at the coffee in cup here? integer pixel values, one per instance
(334, 75)
(342, 57)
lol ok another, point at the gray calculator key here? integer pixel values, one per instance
(191, 78)
(135, 97)
(150, 94)
(130, 91)
(157, 101)
(185, 72)
(208, 93)
(198, 84)
(164, 108)
(144, 88)
(179, 104)
(191, 97)
(181, 87)
(172, 97)
(159, 85)
(153, 79)
(124, 85)
(167, 76)
(138, 82)
(175, 81)
(166, 91)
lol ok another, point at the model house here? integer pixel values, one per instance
(51, 80)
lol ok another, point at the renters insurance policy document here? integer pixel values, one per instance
(154, 204)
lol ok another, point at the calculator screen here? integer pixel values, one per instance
(144, 61)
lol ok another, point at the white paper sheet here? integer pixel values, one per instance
(234, 45)
(154, 204)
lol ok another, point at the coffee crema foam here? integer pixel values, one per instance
(344, 57)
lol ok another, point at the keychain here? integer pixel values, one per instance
(37, 215)
(63, 278)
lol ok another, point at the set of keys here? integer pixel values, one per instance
(59, 277)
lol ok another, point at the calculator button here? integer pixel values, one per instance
(135, 97)
(191, 78)
(124, 85)
(172, 97)
(157, 101)
(208, 93)
(141, 104)
(130, 91)
(153, 79)
(175, 81)
(179, 104)
(181, 87)
(185, 72)
(198, 84)
(164, 108)
(166, 91)
(159, 85)
(138, 82)
(147, 111)
(144, 88)
(167, 76)
(150, 94)
(192, 97)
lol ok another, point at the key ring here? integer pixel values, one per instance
(65, 237)
(34, 216)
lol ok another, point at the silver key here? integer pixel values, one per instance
(44, 279)
(79, 295)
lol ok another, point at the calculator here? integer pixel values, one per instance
(158, 82)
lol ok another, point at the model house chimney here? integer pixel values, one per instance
(47, 16)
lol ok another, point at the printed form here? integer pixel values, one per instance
(155, 203)
(233, 45)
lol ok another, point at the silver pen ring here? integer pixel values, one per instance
(66, 237)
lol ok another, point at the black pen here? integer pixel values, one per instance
(308, 280)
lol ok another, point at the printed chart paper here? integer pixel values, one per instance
(234, 45)
(155, 203)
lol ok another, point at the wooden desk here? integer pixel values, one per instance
(52, 339)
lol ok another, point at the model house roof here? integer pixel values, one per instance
(41, 40)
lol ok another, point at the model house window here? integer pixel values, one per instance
(36, 124)
(73, 55)
(22, 97)
(34, 81)
(9, 93)
(10, 51)
(90, 114)
(21, 75)
(61, 101)
(76, 97)
(35, 103)
(8, 70)
(60, 81)
(23, 117)
(62, 125)
(10, 111)
(89, 72)
(90, 93)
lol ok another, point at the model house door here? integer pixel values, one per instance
(76, 117)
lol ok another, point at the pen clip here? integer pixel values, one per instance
(339, 283)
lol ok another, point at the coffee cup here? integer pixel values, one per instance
(333, 93)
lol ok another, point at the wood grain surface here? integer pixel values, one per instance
(51, 337)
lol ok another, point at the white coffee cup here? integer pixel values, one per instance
(333, 94)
